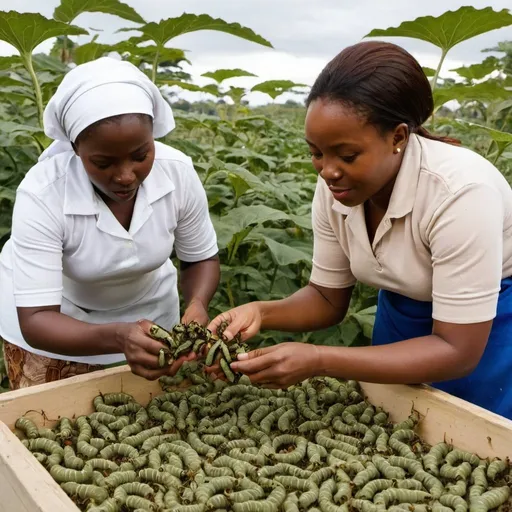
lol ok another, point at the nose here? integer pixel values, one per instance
(330, 170)
(125, 176)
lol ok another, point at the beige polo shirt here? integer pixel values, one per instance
(446, 236)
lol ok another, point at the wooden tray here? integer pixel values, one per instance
(25, 486)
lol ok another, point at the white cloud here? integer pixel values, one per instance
(305, 34)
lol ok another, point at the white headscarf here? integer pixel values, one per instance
(98, 89)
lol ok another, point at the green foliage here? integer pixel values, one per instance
(252, 161)
(68, 10)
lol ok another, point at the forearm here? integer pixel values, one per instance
(55, 332)
(308, 309)
(199, 281)
(418, 360)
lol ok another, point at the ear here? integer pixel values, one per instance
(400, 137)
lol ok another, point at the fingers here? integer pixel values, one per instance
(147, 373)
(215, 323)
(255, 361)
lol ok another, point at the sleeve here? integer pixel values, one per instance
(195, 237)
(37, 241)
(466, 244)
(331, 266)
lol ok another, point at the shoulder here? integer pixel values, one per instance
(454, 168)
(46, 180)
(170, 157)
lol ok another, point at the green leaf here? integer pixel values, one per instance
(25, 30)
(275, 88)
(284, 254)
(451, 28)
(236, 93)
(244, 216)
(91, 51)
(210, 88)
(68, 10)
(225, 74)
(485, 91)
(478, 71)
(163, 31)
(240, 186)
(501, 138)
(429, 71)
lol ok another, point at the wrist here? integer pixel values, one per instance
(264, 309)
(196, 301)
(114, 333)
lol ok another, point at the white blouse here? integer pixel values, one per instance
(67, 247)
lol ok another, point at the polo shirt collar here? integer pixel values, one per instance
(80, 197)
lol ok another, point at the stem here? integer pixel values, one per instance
(436, 76)
(8, 153)
(155, 65)
(230, 294)
(27, 58)
(498, 154)
(272, 281)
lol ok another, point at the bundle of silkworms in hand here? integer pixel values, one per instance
(317, 446)
(192, 337)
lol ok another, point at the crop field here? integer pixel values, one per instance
(253, 162)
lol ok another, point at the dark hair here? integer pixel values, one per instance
(109, 120)
(383, 82)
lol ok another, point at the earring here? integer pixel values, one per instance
(397, 150)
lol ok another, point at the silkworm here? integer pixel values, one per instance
(28, 427)
(85, 491)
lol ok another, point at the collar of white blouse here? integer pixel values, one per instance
(402, 198)
(81, 199)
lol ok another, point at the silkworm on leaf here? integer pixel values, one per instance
(455, 456)
(434, 486)
(409, 423)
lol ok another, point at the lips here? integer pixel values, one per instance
(339, 193)
(124, 193)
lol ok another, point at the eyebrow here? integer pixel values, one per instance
(336, 146)
(100, 155)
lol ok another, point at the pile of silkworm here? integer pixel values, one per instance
(318, 446)
(192, 337)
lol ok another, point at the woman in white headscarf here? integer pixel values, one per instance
(87, 268)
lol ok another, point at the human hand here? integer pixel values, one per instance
(245, 320)
(195, 312)
(142, 351)
(279, 366)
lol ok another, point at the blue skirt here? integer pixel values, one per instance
(400, 318)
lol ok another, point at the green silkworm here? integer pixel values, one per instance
(85, 491)
(120, 477)
(61, 474)
(71, 460)
(28, 427)
(227, 370)
(373, 487)
(496, 467)
(432, 460)
(490, 499)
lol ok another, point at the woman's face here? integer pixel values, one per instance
(357, 162)
(118, 156)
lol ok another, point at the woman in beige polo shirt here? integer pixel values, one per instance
(425, 221)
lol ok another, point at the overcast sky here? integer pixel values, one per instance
(305, 34)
